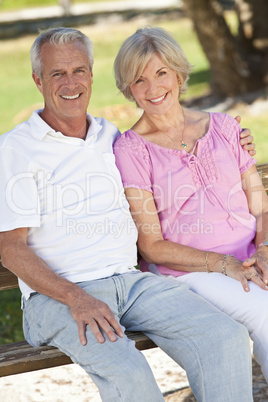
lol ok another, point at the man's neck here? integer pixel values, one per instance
(71, 128)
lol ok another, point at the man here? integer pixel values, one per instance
(67, 233)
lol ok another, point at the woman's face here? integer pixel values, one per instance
(157, 90)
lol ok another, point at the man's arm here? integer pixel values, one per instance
(18, 257)
(246, 139)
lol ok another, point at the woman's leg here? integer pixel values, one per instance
(248, 308)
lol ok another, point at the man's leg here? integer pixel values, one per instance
(119, 370)
(212, 348)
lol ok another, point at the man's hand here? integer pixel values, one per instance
(246, 139)
(87, 310)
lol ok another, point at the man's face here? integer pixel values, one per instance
(66, 82)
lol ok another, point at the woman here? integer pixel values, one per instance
(195, 194)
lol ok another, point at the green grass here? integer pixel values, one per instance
(11, 5)
(10, 317)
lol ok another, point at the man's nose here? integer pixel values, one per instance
(70, 80)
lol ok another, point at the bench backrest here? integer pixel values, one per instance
(9, 281)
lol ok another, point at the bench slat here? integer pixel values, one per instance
(20, 357)
(7, 279)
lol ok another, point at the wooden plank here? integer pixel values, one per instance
(20, 357)
(7, 279)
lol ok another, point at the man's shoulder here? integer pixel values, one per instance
(23, 131)
(107, 131)
(102, 121)
(11, 136)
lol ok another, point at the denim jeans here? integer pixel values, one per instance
(210, 346)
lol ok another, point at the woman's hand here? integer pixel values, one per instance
(246, 139)
(244, 272)
(260, 261)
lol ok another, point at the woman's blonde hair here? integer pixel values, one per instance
(136, 52)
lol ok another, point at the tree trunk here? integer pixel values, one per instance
(253, 35)
(231, 73)
(253, 16)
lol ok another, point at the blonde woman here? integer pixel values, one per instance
(194, 193)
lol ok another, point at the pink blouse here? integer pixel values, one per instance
(199, 199)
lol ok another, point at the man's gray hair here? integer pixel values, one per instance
(58, 36)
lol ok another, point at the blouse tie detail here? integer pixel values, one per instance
(201, 179)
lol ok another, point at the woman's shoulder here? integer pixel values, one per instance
(128, 137)
(131, 143)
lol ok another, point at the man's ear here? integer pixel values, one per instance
(38, 82)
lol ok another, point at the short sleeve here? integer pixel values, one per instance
(19, 202)
(231, 130)
(133, 161)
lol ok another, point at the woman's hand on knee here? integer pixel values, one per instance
(259, 260)
(244, 272)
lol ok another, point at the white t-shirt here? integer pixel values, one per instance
(68, 192)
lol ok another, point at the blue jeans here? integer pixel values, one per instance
(210, 346)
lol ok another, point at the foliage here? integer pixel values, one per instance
(10, 317)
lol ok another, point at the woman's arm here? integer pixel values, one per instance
(258, 207)
(154, 249)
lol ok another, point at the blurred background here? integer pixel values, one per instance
(225, 40)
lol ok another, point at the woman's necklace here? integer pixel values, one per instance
(183, 144)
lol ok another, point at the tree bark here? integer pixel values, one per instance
(253, 35)
(253, 16)
(231, 70)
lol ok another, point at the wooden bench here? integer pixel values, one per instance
(20, 357)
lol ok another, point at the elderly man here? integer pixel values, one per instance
(67, 233)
